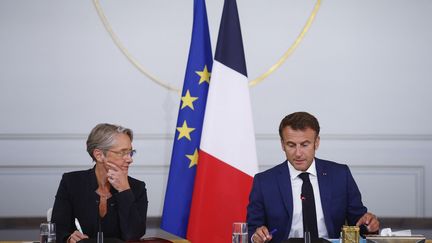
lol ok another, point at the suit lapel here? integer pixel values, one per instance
(94, 199)
(324, 182)
(284, 182)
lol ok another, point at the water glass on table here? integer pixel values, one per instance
(240, 232)
(47, 233)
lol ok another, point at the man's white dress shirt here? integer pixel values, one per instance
(297, 217)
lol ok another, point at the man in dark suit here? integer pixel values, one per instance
(277, 197)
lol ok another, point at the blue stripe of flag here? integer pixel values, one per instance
(181, 178)
(229, 49)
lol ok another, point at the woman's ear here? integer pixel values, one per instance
(98, 155)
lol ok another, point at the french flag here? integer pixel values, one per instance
(227, 158)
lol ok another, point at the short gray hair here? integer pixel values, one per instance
(102, 137)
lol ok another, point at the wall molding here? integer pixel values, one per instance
(259, 136)
(75, 136)
(7, 169)
(418, 173)
(359, 136)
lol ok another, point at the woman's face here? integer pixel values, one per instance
(119, 154)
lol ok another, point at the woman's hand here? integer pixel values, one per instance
(76, 236)
(117, 177)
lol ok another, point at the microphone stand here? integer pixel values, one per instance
(306, 231)
(100, 237)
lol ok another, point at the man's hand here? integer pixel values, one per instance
(371, 222)
(76, 236)
(261, 235)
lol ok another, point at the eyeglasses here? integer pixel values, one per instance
(123, 154)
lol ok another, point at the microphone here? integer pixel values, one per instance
(100, 237)
(303, 198)
(306, 231)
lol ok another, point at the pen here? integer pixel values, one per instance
(78, 226)
(273, 231)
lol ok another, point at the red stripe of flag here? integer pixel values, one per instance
(222, 189)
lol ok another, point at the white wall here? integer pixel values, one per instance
(364, 69)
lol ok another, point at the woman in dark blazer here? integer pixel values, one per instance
(104, 198)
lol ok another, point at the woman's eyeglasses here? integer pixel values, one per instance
(123, 154)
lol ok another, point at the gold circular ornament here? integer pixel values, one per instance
(165, 85)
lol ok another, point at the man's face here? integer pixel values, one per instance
(299, 147)
(119, 153)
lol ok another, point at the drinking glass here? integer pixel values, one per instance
(47, 233)
(239, 233)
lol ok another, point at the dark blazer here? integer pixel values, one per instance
(271, 202)
(77, 198)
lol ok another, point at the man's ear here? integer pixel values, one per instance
(282, 145)
(317, 142)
